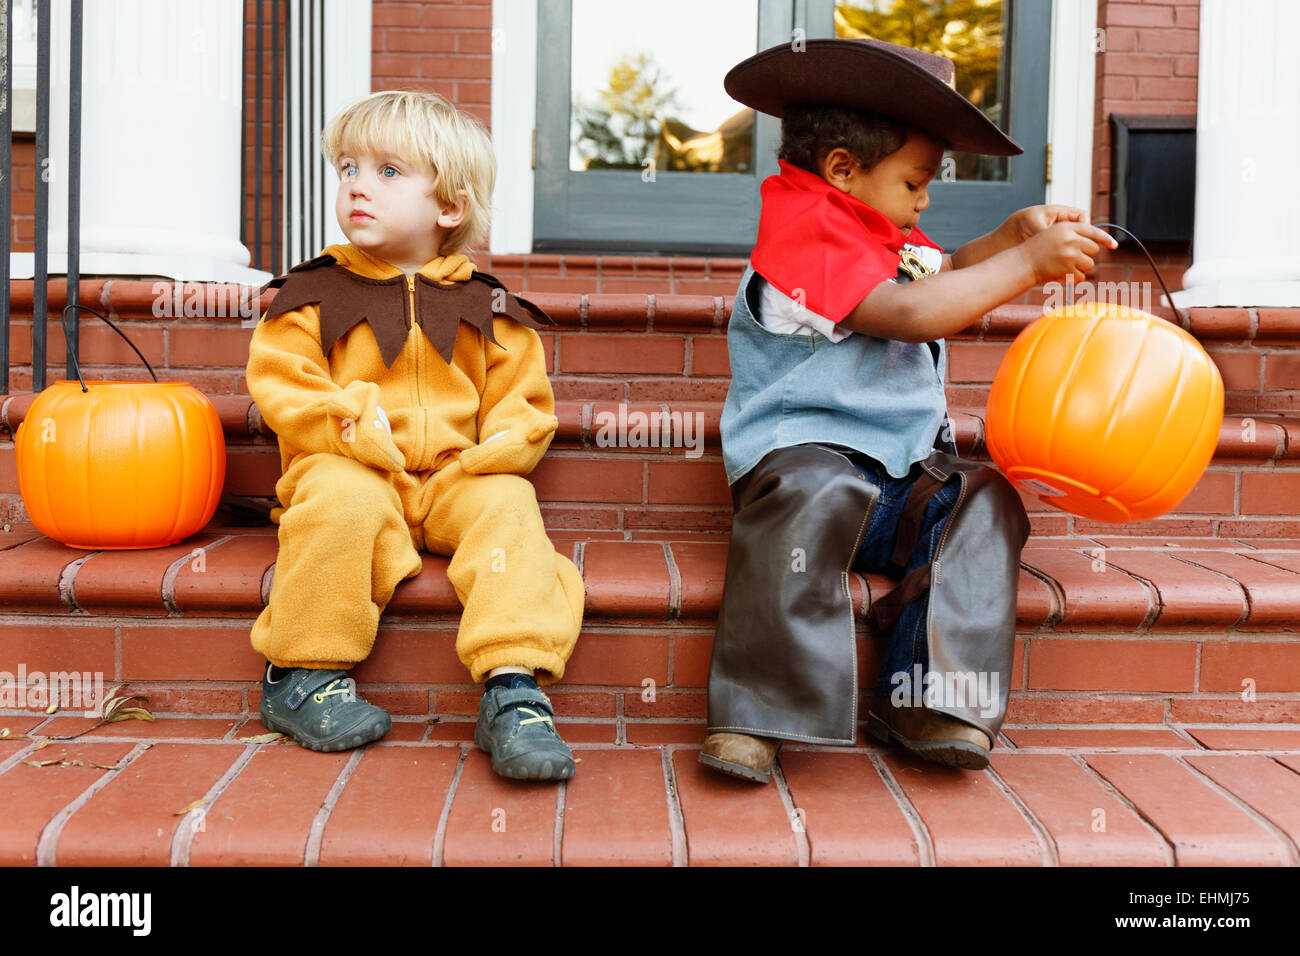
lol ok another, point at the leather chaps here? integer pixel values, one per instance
(784, 659)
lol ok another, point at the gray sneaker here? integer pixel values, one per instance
(321, 710)
(516, 728)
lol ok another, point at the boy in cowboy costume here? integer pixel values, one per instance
(410, 397)
(834, 431)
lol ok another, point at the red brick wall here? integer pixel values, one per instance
(22, 194)
(443, 48)
(1148, 66)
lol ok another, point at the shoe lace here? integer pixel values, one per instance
(535, 717)
(348, 691)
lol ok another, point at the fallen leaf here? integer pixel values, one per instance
(109, 696)
(43, 763)
(42, 745)
(52, 708)
(190, 806)
(115, 705)
(104, 766)
(73, 763)
(8, 736)
(113, 711)
(262, 739)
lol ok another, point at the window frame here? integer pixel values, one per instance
(613, 218)
(632, 210)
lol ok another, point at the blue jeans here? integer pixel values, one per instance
(907, 644)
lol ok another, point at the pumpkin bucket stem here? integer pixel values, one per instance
(72, 344)
(1164, 288)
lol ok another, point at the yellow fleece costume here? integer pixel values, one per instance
(357, 506)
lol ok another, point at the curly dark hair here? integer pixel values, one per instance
(809, 132)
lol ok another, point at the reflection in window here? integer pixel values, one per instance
(647, 89)
(969, 32)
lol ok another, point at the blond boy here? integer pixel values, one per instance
(410, 397)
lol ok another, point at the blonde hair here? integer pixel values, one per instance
(424, 128)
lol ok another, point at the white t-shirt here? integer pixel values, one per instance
(781, 314)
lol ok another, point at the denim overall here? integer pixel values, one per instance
(824, 445)
(880, 397)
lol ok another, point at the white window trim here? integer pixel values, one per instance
(514, 118)
(1071, 102)
(1071, 110)
(347, 53)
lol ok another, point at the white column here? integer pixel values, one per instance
(346, 48)
(160, 153)
(514, 117)
(1073, 69)
(1246, 250)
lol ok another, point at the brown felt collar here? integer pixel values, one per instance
(346, 298)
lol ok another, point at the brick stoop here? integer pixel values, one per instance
(192, 792)
(1156, 680)
(1110, 630)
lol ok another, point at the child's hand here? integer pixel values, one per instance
(1030, 221)
(364, 433)
(1064, 250)
(511, 451)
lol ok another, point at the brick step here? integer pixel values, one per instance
(1109, 629)
(198, 335)
(1247, 490)
(596, 425)
(190, 792)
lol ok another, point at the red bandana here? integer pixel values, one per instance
(833, 247)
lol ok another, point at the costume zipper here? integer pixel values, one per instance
(410, 289)
(961, 494)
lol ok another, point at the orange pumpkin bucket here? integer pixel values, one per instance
(120, 465)
(1105, 411)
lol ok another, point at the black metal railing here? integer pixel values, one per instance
(292, 213)
(6, 181)
(40, 312)
(294, 31)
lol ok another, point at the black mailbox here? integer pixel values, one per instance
(1153, 176)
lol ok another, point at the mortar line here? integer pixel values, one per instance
(1247, 605)
(920, 832)
(173, 569)
(1046, 842)
(48, 844)
(317, 832)
(676, 821)
(803, 850)
(1171, 855)
(440, 835)
(1288, 845)
(183, 836)
(67, 581)
(562, 791)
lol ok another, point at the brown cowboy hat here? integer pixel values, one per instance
(911, 85)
